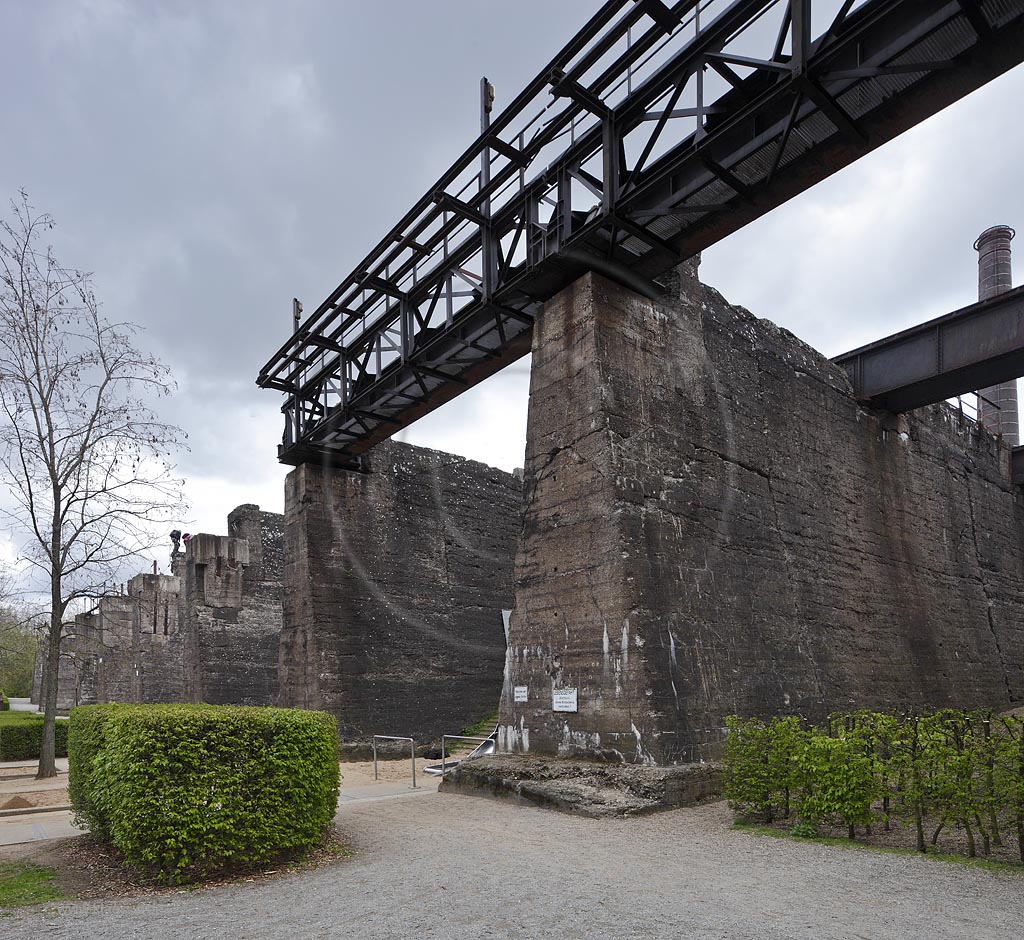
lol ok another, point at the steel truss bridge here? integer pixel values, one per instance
(658, 130)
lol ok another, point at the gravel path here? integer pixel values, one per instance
(448, 866)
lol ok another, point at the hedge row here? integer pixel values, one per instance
(21, 736)
(186, 790)
(964, 768)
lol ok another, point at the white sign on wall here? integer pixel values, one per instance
(520, 693)
(564, 700)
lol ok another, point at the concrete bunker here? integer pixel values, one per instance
(395, 582)
(714, 525)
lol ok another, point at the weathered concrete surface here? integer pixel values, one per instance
(126, 649)
(395, 582)
(713, 525)
(586, 788)
(233, 604)
(208, 633)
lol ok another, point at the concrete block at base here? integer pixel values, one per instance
(586, 788)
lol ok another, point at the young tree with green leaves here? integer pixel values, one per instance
(17, 651)
(83, 456)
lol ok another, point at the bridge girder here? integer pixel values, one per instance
(664, 134)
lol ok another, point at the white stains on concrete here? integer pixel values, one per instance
(643, 756)
(575, 741)
(512, 740)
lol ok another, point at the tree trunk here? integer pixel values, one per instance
(51, 666)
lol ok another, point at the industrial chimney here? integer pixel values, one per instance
(997, 405)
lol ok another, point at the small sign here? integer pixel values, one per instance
(564, 700)
(521, 693)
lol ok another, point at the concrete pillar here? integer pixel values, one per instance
(714, 526)
(395, 581)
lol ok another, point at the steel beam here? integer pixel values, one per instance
(971, 348)
(395, 338)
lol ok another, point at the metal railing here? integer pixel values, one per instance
(412, 753)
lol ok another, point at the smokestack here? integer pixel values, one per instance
(997, 405)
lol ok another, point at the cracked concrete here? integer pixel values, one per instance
(703, 483)
(395, 582)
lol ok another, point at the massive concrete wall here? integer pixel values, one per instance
(395, 582)
(233, 608)
(208, 633)
(126, 649)
(713, 525)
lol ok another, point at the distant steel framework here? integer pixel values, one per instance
(658, 130)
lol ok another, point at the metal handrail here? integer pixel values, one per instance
(412, 751)
(455, 737)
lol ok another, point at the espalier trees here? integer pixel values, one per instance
(84, 459)
(940, 769)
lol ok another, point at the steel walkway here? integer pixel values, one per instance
(657, 131)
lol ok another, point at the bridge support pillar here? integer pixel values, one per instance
(713, 525)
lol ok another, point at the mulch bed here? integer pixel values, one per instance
(91, 870)
(952, 839)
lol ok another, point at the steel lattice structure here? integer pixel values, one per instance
(658, 130)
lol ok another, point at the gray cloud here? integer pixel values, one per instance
(208, 161)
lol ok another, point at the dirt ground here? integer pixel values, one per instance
(448, 867)
(952, 839)
(19, 789)
(360, 773)
(91, 870)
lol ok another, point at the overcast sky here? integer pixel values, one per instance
(210, 160)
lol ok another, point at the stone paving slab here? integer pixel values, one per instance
(37, 827)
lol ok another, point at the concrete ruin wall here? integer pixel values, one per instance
(395, 582)
(127, 649)
(208, 633)
(232, 610)
(713, 525)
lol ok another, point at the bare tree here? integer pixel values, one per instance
(83, 456)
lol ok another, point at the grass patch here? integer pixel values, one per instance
(482, 728)
(986, 863)
(22, 883)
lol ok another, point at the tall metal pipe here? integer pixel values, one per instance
(997, 404)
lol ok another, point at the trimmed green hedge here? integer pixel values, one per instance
(5, 704)
(21, 736)
(950, 767)
(183, 791)
(85, 742)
